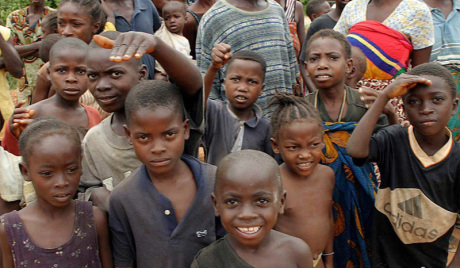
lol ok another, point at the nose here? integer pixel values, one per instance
(247, 212)
(304, 153)
(102, 84)
(322, 63)
(67, 31)
(157, 147)
(61, 181)
(426, 108)
(71, 78)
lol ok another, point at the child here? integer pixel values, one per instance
(174, 19)
(44, 53)
(55, 230)
(298, 136)
(359, 67)
(239, 124)
(108, 157)
(161, 215)
(258, 25)
(248, 201)
(49, 24)
(417, 203)
(317, 8)
(340, 107)
(67, 71)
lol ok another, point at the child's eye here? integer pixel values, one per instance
(437, 99)
(253, 82)
(61, 23)
(76, 24)
(81, 71)
(413, 101)
(116, 74)
(142, 138)
(46, 173)
(60, 70)
(313, 59)
(333, 57)
(235, 79)
(263, 201)
(293, 147)
(231, 202)
(170, 134)
(92, 76)
(72, 170)
(315, 145)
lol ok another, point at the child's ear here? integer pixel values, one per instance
(352, 73)
(282, 202)
(24, 171)
(48, 72)
(275, 146)
(96, 27)
(186, 129)
(143, 72)
(349, 67)
(262, 89)
(127, 133)
(454, 107)
(214, 203)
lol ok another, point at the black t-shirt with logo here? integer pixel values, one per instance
(417, 204)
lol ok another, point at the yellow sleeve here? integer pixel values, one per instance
(109, 26)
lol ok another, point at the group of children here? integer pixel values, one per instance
(168, 209)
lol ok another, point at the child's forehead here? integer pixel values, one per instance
(438, 85)
(327, 44)
(256, 179)
(67, 53)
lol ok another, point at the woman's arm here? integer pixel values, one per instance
(420, 56)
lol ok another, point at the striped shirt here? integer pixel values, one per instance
(446, 49)
(266, 32)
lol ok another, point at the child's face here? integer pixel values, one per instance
(110, 82)
(322, 9)
(429, 108)
(54, 167)
(244, 82)
(328, 63)
(174, 19)
(300, 143)
(68, 73)
(248, 202)
(74, 21)
(158, 137)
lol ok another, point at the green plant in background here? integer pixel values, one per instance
(8, 6)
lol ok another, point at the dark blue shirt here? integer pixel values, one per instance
(145, 19)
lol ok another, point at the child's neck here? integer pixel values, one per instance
(431, 144)
(62, 103)
(51, 212)
(249, 5)
(243, 115)
(287, 172)
(118, 121)
(243, 250)
(332, 95)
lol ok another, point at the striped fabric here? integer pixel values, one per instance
(387, 50)
(265, 31)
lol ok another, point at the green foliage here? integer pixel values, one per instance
(8, 6)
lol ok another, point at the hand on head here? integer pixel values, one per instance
(221, 54)
(20, 119)
(403, 83)
(128, 45)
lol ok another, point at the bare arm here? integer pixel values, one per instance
(358, 144)
(300, 22)
(10, 58)
(370, 96)
(329, 259)
(303, 252)
(420, 56)
(221, 54)
(105, 254)
(180, 69)
(28, 50)
(42, 89)
(6, 255)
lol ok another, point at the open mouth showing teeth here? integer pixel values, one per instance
(323, 76)
(248, 230)
(240, 98)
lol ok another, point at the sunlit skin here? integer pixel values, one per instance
(308, 208)
(248, 201)
(74, 21)
(429, 109)
(244, 83)
(158, 137)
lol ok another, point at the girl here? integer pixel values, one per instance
(297, 134)
(55, 230)
(80, 19)
(340, 107)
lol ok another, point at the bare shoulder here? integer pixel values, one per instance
(100, 218)
(294, 247)
(327, 174)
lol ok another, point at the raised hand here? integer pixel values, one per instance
(221, 54)
(20, 119)
(403, 83)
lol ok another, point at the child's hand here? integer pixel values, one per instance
(403, 83)
(221, 54)
(128, 45)
(20, 119)
(370, 95)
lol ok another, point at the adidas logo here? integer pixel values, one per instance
(412, 207)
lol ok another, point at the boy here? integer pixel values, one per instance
(161, 215)
(239, 124)
(174, 19)
(358, 69)
(248, 200)
(317, 8)
(417, 204)
(108, 157)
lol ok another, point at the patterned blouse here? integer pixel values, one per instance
(411, 17)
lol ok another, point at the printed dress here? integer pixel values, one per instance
(81, 250)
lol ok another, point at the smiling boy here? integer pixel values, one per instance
(417, 203)
(248, 201)
(162, 215)
(238, 124)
